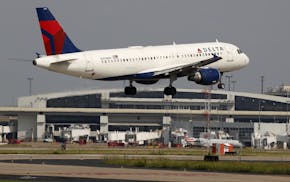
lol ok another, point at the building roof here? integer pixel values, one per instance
(48, 96)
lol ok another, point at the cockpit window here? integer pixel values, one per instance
(239, 51)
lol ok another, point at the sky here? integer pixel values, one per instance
(261, 28)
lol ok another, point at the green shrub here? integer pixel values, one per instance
(221, 166)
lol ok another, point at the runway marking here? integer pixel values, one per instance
(178, 173)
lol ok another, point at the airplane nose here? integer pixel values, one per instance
(246, 60)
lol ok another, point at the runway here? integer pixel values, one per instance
(56, 179)
(80, 172)
(94, 170)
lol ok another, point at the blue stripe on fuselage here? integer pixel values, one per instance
(144, 75)
(133, 77)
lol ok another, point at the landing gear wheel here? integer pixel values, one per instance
(221, 85)
(130, 90)
(170, 91)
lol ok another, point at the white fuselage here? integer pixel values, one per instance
(117, 64)
(209, 142)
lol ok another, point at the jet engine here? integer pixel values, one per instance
(205, 76)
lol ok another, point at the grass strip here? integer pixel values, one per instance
(136, 151)
(279, 168)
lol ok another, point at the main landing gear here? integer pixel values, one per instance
(131, 90)
(170, 90)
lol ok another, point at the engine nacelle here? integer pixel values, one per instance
(146, 82)
(205, 76)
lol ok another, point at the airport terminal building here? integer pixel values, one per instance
(37, 126)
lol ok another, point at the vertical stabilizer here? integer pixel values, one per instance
(54, 38)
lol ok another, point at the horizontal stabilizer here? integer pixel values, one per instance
(62, 61)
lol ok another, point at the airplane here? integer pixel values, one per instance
(208, 139)
(202, 63)
(205, 142)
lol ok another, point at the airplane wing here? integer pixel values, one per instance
(177, 68)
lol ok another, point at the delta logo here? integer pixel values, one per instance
(209, 49)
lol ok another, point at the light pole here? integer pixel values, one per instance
(262, 84)
(30, 85)
(234, 84)
(287, 122)
(229, 81)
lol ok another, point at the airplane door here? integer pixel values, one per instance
(230, 56)
(89, 68)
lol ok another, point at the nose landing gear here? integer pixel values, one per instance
(221, 85)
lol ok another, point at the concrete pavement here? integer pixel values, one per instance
(130, 174)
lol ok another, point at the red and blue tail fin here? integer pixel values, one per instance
(54, 38)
